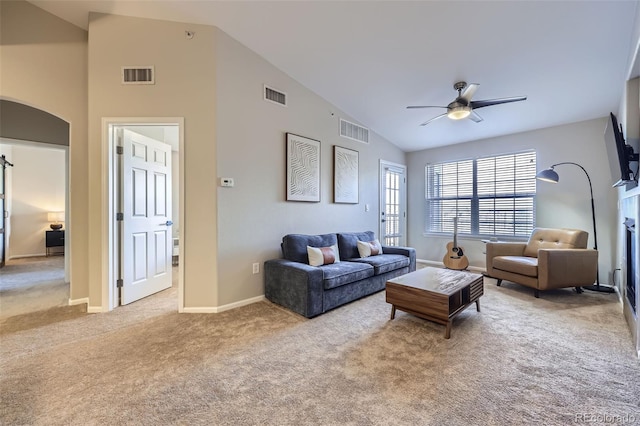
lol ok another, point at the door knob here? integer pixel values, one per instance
(167, 223)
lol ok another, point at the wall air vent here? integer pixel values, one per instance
(138, 75)
(353, 131)
(276, 96)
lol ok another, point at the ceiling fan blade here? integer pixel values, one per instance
(433, 119)
(469, 91)
(475, 117)
(424, 106)
(489, 102)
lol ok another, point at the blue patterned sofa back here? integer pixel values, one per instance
(294, 246)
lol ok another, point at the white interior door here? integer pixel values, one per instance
(393, 204)
(146, 223)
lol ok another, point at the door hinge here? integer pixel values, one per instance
(119, 216)
(119, 283)
(119, 150)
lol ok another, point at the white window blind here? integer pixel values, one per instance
(491, 196)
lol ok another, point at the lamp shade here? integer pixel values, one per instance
(55, 217)
(548, 175)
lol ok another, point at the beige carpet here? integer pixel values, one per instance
(32, 284)
(521, 360)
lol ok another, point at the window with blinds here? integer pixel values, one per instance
(491, 196)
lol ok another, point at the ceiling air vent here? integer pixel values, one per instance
(138, 75)
(353, 131)
(273, 95)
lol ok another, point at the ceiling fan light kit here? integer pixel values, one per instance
(463, 106)
(459, 112)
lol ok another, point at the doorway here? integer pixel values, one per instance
(35, 193)
(145, 206)
(4, 163)
(393, 203)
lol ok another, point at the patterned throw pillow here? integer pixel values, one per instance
(319, 256)
(369, 248)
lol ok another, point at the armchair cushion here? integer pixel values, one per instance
(517, 264)
(545, 238)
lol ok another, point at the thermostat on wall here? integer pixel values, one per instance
(228, 182)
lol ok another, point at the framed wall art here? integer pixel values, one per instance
(303, 168)
(345, 175)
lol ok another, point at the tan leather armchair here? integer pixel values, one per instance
(552, 258)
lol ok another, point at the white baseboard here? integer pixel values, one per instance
(218, 309)
(94, 309)
(437, 264)
(84, 300)
(22, 256)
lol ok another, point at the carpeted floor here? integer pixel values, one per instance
(32, 284)
(562, 359)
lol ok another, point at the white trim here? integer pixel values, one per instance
(94, 309)
(107, 225)
(82, 301)
(21, 256)
(381, 185)
(228, 307)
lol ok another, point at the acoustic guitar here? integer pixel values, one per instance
(455, 258)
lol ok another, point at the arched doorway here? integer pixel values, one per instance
(40, 141)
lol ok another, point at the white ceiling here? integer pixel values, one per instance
(373, 58)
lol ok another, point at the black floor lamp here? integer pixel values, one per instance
(550, 175)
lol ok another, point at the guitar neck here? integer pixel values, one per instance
(455, 232)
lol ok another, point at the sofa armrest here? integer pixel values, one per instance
(502, 249)
(566, 267)
(410, 252)
(294, 285)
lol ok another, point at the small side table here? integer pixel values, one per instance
(54, 239)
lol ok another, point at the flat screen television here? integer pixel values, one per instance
(620, 154)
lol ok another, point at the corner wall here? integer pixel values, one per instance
(564, 205)
(44, 65)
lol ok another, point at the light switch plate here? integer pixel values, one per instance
(226, 182)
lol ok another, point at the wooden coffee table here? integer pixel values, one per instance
(435, 294)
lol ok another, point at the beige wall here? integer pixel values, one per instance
(216, 85)
(185, 87)
(44, 65)
(37, 186)
(253, 216)
(563, 205)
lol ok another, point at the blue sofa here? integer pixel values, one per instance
(312, 290)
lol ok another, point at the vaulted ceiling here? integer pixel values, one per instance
(373, 58)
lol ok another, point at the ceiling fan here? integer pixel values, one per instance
(463, 106)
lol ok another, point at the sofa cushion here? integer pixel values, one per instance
(384, 262)
(319, 256)
(338, 274)
(294, 246)
(348, 242)
(369, 248)
(517, 264)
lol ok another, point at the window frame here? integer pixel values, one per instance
(474, 199)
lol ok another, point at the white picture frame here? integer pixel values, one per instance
(303, 168)
(345, 175)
